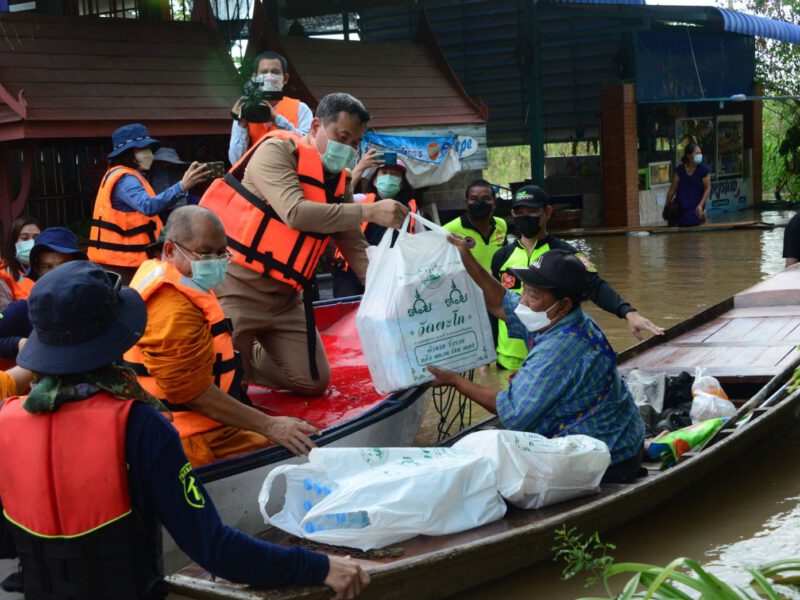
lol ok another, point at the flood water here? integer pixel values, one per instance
(745, 517)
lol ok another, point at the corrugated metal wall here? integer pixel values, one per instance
(486, 43)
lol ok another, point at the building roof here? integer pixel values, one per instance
(83, 77)
(402, 83)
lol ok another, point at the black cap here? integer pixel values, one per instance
(531, 196)
(556, 270)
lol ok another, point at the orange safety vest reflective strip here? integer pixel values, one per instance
(55, 487)
(288, 108)
(370, 199)
(148, 279)
(120, 238)
(257, 237)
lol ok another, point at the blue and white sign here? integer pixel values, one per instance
(429, 149)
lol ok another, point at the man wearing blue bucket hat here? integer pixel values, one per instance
(125, 218)
(97, 469)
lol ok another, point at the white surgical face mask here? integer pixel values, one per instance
(144, 158)
(698, 158)
(533, 320)
(270, 82)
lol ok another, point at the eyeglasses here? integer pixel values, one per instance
(225, 254)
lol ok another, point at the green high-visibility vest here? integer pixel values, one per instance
(482, 249)
(511, 352)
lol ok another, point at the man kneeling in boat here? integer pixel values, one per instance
(186, 358)
(97, 470)
(568, 383)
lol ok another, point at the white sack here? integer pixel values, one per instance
(420, 307)
(371, 497)
(534, 471)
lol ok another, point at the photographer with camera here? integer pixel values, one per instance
(263, 107)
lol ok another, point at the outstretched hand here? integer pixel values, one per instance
(291, 433)
(639, 324)
(443, 376)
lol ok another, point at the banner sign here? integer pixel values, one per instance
(727, 195)
(429, 149)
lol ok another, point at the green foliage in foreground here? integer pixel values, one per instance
(682, 579)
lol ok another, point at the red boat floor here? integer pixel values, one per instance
(350, 393)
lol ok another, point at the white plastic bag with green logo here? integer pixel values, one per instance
(420, 308)
(371, 497)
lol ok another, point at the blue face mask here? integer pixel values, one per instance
(24, 250)
(697, 158)
(209, 273)
(388, 185)
(337, 155)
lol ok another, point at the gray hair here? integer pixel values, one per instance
(332, 104)
(183, 222)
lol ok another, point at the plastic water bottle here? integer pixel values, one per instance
(352, 520)
(308, 495)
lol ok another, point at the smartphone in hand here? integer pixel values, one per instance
(389, 158)
(215, 169)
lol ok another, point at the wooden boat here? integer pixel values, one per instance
(747, 341)
(351, 413)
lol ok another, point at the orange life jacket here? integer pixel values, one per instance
(288, 108)
(119, 238)
(66, 498)
(257, 237)
(20, 290)
(68, 477)
(371, 198)
(148, 279)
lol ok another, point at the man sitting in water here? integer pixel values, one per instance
(569, 383)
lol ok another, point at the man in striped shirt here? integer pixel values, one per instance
(568, 383)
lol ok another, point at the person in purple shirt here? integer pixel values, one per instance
(690, 188)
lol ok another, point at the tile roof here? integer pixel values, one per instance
(85, 76)
(402, 83)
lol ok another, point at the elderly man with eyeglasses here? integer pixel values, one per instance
(186, 356)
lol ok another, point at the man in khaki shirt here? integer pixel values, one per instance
(268, 318)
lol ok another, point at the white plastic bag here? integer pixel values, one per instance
(707, 384)
(420, 307)
(534, 471)
(371, 497)
(647, 388)
(707, 406)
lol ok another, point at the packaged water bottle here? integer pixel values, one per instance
(352, 520)
(308, 494)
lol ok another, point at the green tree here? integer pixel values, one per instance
(777, 65)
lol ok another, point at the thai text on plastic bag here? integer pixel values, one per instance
(371, 497)
(534, 471)
(420, 307)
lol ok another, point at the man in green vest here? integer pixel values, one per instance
(530, 209)
(484, 232)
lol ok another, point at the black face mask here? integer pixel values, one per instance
(528, 226)
(480, 210)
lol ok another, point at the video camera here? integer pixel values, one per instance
(255, 91)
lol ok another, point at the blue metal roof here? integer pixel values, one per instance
(737, 22)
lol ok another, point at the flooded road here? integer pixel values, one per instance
(745, 517)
